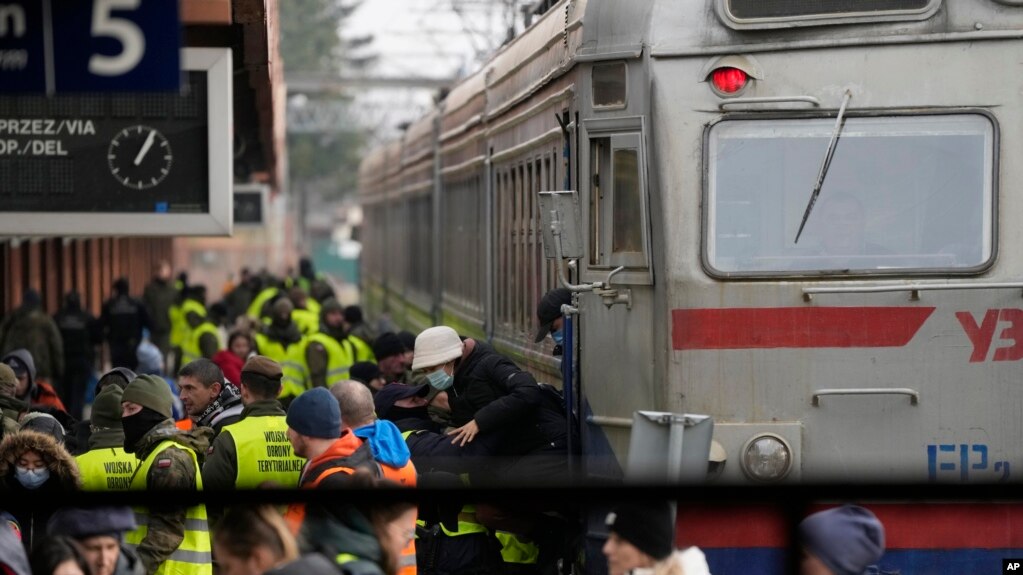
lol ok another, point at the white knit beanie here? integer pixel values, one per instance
(436, 346)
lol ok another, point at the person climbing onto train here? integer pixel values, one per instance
(548, 312)
(487, 393)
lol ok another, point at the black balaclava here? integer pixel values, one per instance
(138, 425)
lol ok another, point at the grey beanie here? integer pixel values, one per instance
(43, 423)
(847, 539)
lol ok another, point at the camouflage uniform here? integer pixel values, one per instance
(167, 523)
(30, 328)
(10, 407)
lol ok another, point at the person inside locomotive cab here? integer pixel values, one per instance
(842, 228)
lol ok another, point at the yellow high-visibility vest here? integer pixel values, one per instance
(515, 550)
(296, 369)
(191, 350)
(257, 303)
(276, 351)
(179, 325)
(107, 469)
(264, 453)
(195, 554)
(363, 352)
(308, 322)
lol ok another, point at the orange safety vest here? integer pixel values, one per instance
(295, 514)
(343, 447)
(406, 477)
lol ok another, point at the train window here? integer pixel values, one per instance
(618, 212)
(609, 85)
(902, 194)
(774, 13)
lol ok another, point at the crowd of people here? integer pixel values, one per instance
(305, 394)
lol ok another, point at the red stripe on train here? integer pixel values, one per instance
(907, 526)
(796, 327)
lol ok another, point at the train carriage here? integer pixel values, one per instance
(882, 344)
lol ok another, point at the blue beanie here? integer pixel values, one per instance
(847, 539)
(315, 413)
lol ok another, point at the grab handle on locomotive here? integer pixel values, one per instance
(735, 102)
(914, 396)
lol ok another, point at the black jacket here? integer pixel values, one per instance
(504, 400)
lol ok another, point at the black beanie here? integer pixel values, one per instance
(650, 527)
(387, 345)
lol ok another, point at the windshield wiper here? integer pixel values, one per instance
(826, 164)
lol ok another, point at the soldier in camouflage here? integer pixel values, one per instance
(169, 461)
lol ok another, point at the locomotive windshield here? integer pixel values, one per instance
(903, 194)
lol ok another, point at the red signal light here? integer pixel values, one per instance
(729, 80)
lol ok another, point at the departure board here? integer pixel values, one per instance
(111, 163)
(106, 152)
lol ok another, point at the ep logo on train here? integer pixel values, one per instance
(1012, 566)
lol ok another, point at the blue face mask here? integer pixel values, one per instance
(557, 336)
(440, 380)
(31, 478)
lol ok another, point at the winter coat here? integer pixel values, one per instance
(39, 393)
(341, 529)
(123, 319)
(79, 331)
(685, 562)
(10, 412)
(30, 328)
(158, 298)
(503, 399)
(24, 503)
(230, 364)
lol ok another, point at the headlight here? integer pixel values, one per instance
(766, 457)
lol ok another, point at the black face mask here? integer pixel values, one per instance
(398, 413)
(136, 426)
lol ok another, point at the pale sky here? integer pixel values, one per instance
(422, 38)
